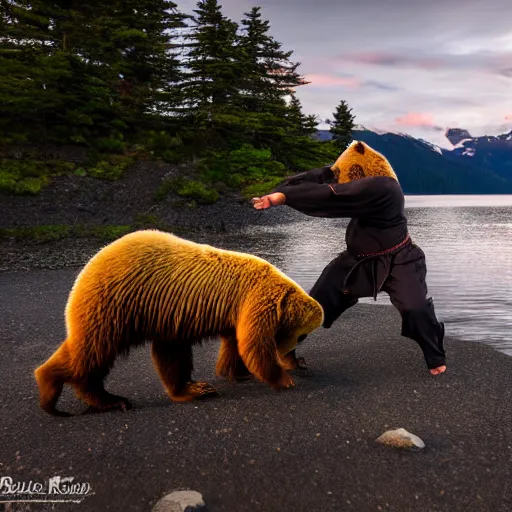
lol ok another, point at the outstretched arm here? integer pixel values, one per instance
(277, 198)
(361, 198)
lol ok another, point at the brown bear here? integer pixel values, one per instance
(154, 286)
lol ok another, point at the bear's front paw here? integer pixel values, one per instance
(284, 382)
(112, 402)
(201, 389)
(195, 391)
(294, 363)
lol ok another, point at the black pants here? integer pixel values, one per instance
(402, 276)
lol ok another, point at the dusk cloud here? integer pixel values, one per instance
(330, 80)
(393, 60)
(415, 119)
(447, 59)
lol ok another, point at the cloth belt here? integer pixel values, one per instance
(373, 255)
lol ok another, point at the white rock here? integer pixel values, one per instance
(400, 438)
(181, 501)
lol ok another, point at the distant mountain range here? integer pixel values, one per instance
(475, 165)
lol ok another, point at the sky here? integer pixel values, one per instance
(406, 66)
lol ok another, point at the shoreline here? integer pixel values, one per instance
(309, 448)
(52, 251)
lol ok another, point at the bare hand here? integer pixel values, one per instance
(262, 203)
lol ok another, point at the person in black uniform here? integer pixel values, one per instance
(380, 254)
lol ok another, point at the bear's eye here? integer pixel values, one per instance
(356, 172)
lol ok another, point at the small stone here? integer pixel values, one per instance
(400, 438)
(181, 501)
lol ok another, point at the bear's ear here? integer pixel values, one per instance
(283, 304)
(359, 147)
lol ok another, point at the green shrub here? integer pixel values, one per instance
(30, 185)
(8, 181)
(261, 188)
(112, 168)
(110, 145)
(195, 190)
(23, 176)
(160, 141)
(147, 221)
(240, 166)
(26, 176)
(166, 146)
(38, 233)
(60, 166)
(172, 156)
(303, 153)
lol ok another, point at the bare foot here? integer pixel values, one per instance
(438, 370)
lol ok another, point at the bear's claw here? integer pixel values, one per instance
(285, 382)
(301, 364)
(197, 390)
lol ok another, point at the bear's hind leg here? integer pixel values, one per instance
(92, 391)
(51, 377)
(173, 362)
(229, 362)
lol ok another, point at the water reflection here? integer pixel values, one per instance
(467, 241)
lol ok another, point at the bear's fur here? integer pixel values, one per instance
(359, 161)
(153, 286)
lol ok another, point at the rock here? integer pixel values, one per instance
(181, 501)
(400, 438)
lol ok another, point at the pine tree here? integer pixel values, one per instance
(133, 40)
(270, 74)
(213, 69)
(299, 123)
(342, 126)
(82, 72)
(32, 103)
(269, 79)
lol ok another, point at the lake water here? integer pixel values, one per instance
(467, 241)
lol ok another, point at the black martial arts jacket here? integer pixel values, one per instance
(375, 206)
(377, 230)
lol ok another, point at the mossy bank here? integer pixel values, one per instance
(75, 213)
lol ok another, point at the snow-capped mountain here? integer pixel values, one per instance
(475, 165)
(493, 153)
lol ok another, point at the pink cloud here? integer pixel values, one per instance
(415, 119)
(390, 59)
(332, 80)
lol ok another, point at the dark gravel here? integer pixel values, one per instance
(85, 201)
(90, 203)
(311, 448)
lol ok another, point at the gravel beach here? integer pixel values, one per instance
(311, 448)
